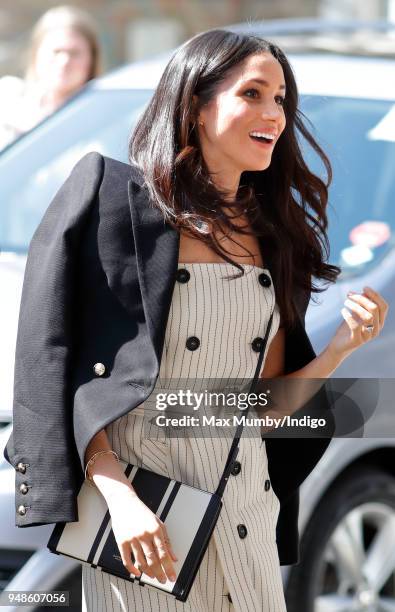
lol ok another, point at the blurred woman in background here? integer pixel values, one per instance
(64, 55)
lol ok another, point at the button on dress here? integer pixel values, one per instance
(209, 336)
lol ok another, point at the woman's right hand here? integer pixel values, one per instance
(137, 529)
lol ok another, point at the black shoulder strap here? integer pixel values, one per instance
(234, 449)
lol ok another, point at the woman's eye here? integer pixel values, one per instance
(249, 90)
(279, 99)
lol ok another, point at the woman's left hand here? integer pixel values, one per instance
(368, 308)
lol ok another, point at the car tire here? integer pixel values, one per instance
(360, 485)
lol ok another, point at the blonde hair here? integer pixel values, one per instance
(65, 17)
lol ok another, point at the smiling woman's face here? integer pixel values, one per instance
(250, 100)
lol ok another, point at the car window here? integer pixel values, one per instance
(358, 135)
(35, 166)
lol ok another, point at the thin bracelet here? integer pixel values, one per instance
(92, 460)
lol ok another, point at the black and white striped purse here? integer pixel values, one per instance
(190, 515)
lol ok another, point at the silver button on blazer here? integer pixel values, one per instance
(96, 296)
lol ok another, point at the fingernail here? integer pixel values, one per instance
(172, 577)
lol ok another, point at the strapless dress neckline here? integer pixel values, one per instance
(219, 263)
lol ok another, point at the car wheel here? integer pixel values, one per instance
(347, 552)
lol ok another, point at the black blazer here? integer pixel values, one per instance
(97, 289)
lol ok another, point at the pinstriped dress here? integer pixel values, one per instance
(240, 569)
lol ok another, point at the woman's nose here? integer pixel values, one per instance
(63, 58)
(271, 111)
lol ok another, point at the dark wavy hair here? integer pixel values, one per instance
(285, 204)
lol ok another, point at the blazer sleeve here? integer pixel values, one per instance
(41, 447)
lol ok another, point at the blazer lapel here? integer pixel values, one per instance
(157, 248)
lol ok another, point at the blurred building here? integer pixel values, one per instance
(133, 29)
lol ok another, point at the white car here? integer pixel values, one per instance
(347, 512)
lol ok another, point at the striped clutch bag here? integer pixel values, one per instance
(190, 515)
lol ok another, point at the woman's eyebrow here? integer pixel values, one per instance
(263, 82)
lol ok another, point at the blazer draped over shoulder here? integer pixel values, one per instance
(97, 289)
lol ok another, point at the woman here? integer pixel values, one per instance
(64, 55)
(128, 284)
